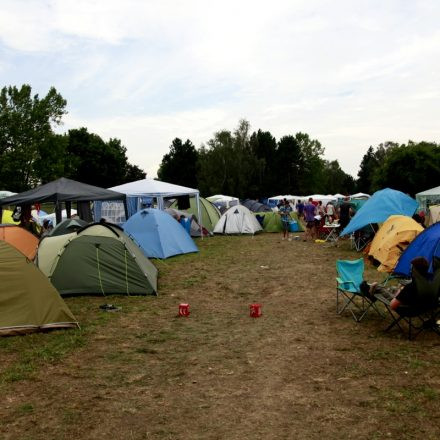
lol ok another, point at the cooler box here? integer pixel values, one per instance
(293, 226)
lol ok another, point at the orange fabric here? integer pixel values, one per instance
(21, 239)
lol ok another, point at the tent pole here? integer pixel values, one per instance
(199, 213)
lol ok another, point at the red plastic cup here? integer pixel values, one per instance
(184, 310)
(255, 310)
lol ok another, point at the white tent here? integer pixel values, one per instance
(135, 191)
(360, 196)
(427, 198)
(227, 201)
(4, 194)
(237, 220)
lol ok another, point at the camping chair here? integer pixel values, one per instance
(359, 239)
(348, 293)
(423, 311)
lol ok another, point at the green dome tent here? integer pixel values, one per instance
(210, 213)
(28, 302)
(99, 259)
(272, 221)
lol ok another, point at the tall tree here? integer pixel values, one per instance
(26, 129)
(179, 166)
(289, 164)
(409, 168)
(91, 160)
(264, 146)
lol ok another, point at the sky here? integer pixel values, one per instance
(349, 73)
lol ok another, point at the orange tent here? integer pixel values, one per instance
(20, 238)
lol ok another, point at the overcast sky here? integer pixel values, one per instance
(350, 73)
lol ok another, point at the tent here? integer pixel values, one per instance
(158, 234)
(237, 220)
(379, 207)
(6, 218)
(150, 188)
(433, 215)
(4, 194)
(210, 213)
(195, 229)
(255, 206)
(63, 190)
(28, 302)
(426, 244)
(272, 221)
(20, 238)
(360, 196)
(68, 226)
(392, 239)
(428, 197)
(98, 259)
(220, 199)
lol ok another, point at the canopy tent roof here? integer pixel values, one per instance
(62, 190)
(379, 207)
(428, 198)
(153, 188)
(4, 194)
(430, 192)
(360, 196)
(221, 198)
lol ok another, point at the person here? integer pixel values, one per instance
(47, 228)
(309, 216)
(345, 212)
(284, 210)
(300, 208)
(330, 213)
(320, 208)
(27, 222)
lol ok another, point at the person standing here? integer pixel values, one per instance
(300, 208)
(309, 216)
(345, 213)
(285, 209)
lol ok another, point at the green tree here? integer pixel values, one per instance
(264, 146)
(409, 168)
(179, 166)
(26, 131)
(336, 180)
(289, 165)
(91, 160)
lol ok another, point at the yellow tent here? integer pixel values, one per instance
(392, 239)
(7, 218)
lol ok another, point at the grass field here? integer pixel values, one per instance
(298, 372)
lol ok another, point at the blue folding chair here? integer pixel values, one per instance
(348, 292)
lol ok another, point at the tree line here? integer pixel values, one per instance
(256, 165)
(32, 153)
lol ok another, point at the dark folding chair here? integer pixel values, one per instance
(348, 292)
(421, 312)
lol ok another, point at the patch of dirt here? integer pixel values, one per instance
(299, 372)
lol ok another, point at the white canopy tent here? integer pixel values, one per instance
(156, 189)
(360, 196)
(427, 198)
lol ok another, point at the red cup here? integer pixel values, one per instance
(255, 310)
(184, 310)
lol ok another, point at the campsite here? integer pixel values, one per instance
(299, 371)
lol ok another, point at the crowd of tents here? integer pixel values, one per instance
(104, 246)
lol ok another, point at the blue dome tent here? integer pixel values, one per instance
(158, 234)
(426, 244)
(379, 207)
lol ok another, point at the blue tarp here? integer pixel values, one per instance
(426, 244)
(158, 234)
(379, 207)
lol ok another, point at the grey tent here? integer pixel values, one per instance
(255, 206)
(68, 226)
(64, 190)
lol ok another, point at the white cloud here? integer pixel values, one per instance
(350, 74)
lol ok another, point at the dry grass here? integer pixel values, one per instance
(299, 372)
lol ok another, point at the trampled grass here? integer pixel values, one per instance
(299, 371)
